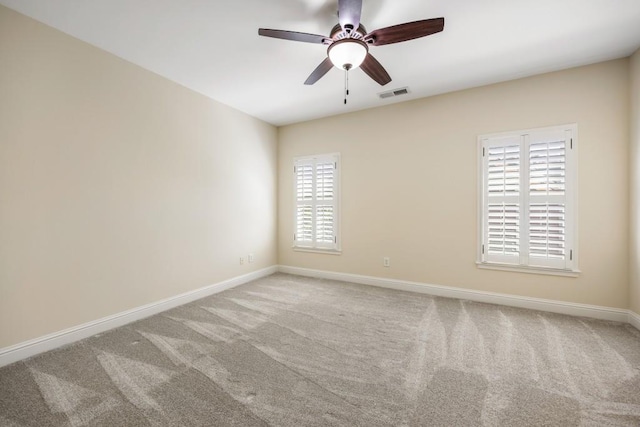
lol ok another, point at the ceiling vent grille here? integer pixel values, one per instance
(394, 92)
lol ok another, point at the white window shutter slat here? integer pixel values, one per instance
(503, 229)
(304, 223)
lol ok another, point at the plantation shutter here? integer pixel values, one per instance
(527, 198)
(316, 194)
(304, 203)
(547, 188)
(502, 216)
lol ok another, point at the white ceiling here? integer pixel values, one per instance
(213, 46)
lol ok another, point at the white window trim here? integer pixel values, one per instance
(571, 202)
(337, 249)
(527, 269)
(317, 250)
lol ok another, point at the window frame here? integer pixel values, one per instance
(523, 262)
(335, 248)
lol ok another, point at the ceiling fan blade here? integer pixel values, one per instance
(349, 12)
(293, 35)
(375, 70)
(407, 31)
(319, 72)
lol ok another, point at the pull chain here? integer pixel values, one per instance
(346, 67)
(346, 85)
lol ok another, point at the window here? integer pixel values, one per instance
(527, 200)
(316, 188)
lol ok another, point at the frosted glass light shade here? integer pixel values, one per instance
(346, 52)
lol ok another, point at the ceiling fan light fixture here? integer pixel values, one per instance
(348, 53)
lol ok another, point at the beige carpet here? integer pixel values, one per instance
(291, 351)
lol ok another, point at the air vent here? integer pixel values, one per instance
(394, 92)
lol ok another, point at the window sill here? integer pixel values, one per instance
(530, 270)
(318, 251)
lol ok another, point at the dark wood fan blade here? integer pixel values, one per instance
(375, 70)
(319, 72)
(403, 32)
(349, 12)
(293, 35)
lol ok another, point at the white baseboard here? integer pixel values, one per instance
(39, 345)
(634, 319)
(573, 309)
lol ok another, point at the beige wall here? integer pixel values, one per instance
(117, 187)
(634, 282)
(409, 183)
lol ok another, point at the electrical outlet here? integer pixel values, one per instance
(241, 260)
(251, 258)
(386, 261)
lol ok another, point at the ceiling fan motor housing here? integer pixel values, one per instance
(337, 33)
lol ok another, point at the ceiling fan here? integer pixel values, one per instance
(348, 44)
